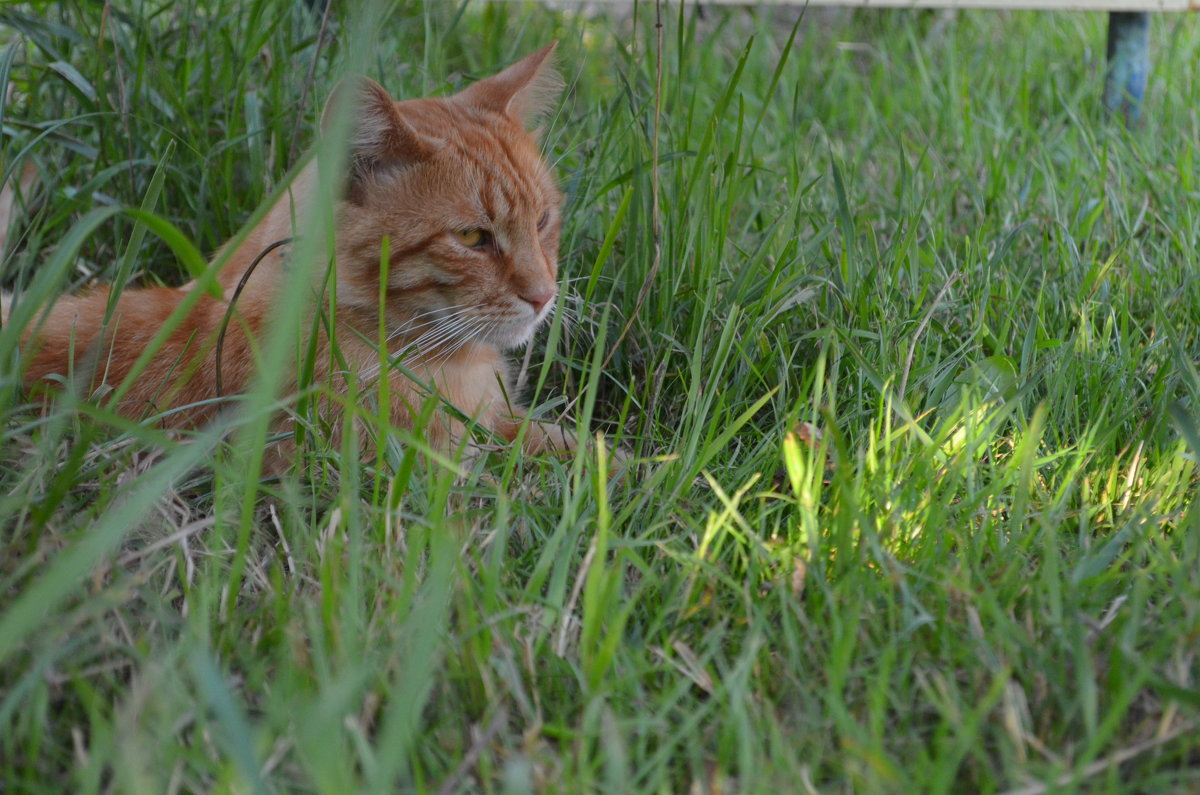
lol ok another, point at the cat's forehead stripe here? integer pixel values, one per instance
(504, 187)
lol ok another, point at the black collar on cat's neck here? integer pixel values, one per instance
(237, 291)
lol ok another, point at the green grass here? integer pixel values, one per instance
(975, 569)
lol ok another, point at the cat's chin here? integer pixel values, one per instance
(515, 336)
(510, 342)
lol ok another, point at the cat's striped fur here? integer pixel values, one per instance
(472, 215)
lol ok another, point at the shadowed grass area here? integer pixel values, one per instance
(911, 395)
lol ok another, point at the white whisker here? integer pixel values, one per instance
(409, 325)
(479, 330)
(452, 348)
(438, 328)
(431, 328)
(437, 339)
(441, 335)
(569, 320)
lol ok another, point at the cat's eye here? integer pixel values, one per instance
(474, 238)
(545, 219)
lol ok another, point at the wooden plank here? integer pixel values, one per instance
(1034, 5)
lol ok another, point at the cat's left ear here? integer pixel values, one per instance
(524, 91)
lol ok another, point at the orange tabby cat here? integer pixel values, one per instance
(472, 214)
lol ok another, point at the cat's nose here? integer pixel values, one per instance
(539, 299)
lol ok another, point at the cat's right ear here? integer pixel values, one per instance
(379, 137)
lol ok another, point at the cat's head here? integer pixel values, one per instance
(469, 208)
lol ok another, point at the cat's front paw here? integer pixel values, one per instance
(548, 437)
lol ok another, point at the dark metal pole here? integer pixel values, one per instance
(1128, 63)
